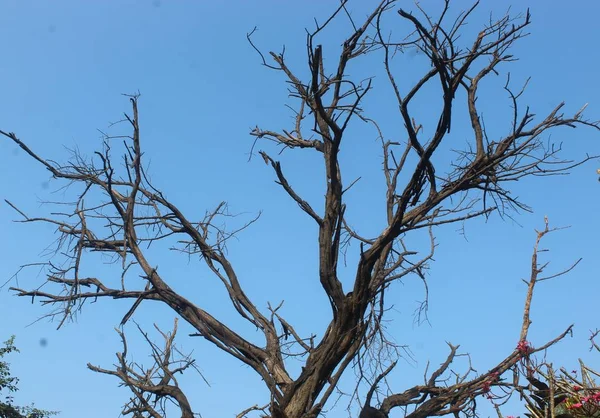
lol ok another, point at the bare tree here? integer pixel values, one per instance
(120, 212)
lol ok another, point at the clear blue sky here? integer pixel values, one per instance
(64, 66)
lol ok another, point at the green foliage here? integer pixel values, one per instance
(8, 386)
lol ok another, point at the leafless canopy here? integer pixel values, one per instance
(423, 190)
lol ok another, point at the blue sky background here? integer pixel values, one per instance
(64, 66)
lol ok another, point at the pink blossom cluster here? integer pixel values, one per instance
(524, 347)
(590, 400)
(487, 384)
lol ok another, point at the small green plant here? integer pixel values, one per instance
(8, 386)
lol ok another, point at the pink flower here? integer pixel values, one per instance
(524, 347)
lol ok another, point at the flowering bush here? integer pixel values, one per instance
(573, 397)
(584, 406)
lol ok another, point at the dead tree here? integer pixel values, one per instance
(119, 212)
